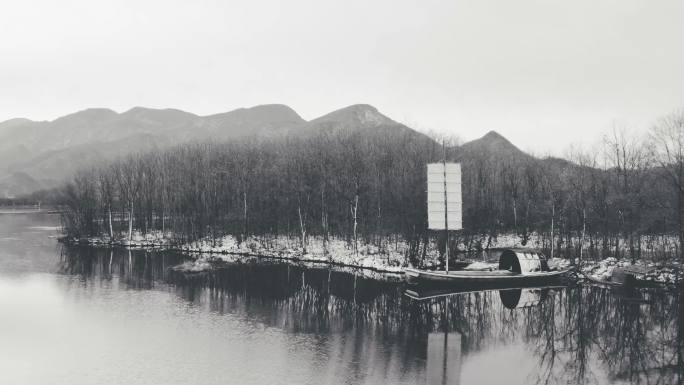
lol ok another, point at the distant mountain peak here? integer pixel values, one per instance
(136, 110)
(261, 116)
(88, 114)
(98, 110)
(275, 107)
(493, 135)
(16, 121)
(493, 138)
(272, 112)
(357, 114)
(361, 107)
(155, 111)
(493, 143)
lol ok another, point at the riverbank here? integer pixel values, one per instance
(388, 258)
(645, 272)
(390, 255)
(384, 257)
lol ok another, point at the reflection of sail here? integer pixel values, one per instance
(519, 298)
(443, 358)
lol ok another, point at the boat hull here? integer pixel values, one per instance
(468, 278)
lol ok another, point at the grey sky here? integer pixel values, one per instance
(542, 73)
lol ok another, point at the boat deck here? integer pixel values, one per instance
(466, 276)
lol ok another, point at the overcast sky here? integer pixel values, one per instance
(542, 73)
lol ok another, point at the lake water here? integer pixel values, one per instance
(86, 316)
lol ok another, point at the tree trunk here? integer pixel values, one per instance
(324, 222)
(680, 221)
(584, 231)
(302, 228)
(553, 214)
(356, 210)
(244, 225)
(111, 230)
(130, 222)
(515, 215)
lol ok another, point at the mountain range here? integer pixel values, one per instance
(40, 155)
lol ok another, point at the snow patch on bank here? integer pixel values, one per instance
(334, 251)
(604, 271)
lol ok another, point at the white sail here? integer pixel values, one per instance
(436, 198)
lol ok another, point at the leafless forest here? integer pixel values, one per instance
(369, 186)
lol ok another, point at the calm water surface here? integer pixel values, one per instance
(84, 316)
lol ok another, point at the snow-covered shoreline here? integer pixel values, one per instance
(386, 257)
(334, 251)
(602, 271)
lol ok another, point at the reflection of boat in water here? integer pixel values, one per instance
(522, 298)
(516, 266)
(512, 297)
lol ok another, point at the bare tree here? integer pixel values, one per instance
(668, 146)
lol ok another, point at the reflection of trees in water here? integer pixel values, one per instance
(576, 332)
(136, 268)
(351, 318)
(633, 339)
(571, 332)
(296, 298)
(638, 336)
(577, 335)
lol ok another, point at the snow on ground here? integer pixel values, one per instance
(334, 251)
(387, 257)
(390, 257)
(603, 270)
(558, 263)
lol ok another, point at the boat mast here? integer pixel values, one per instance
(446, 209)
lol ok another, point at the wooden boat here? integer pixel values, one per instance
(477, 277)
(444, 201)
(516, 266)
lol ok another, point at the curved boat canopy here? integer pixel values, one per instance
(522, 261)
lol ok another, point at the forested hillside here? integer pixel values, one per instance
(360, 176)
(38, 155)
